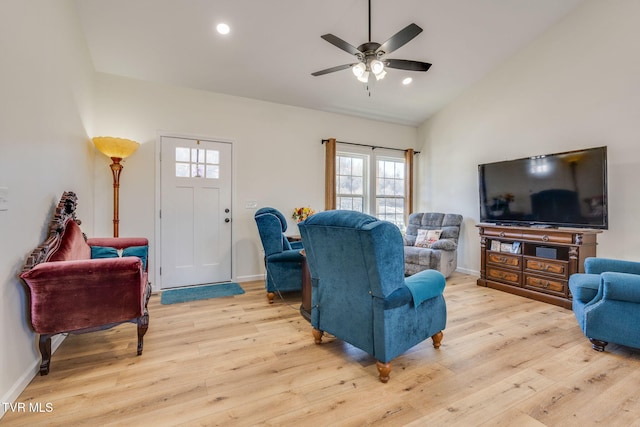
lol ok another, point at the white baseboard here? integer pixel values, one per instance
(468, 271)
(28, 375)
(250, 278)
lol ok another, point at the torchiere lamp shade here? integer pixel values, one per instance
(119, 148)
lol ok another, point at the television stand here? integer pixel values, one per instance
(534, 262)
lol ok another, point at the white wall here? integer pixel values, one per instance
(45, 82)
(577, 86)
(278, 155)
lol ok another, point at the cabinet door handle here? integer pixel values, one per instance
(545, 238)
(502, 234)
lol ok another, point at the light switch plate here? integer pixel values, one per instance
(4, 199)
(251, 204)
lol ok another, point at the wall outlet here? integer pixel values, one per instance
(4, 199)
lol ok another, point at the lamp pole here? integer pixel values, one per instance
(116, 169)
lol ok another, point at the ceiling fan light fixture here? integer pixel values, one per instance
(364, 78)
(377, 67)
(381, 75)
(359, 69)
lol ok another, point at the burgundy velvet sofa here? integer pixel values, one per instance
(71, 291)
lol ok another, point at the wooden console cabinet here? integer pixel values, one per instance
(534, 262)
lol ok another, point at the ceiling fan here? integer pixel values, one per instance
(371, 56)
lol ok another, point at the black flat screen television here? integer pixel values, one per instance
(558, 190)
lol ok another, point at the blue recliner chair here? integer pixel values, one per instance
(282, 259)
(606, 301)
(359, 292)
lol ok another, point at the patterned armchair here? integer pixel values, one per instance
(359, 291)
(606, 301)
(442, 255)
(282, 259)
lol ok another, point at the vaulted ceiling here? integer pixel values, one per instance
(274, 46)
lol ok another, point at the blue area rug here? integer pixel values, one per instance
(195, 293)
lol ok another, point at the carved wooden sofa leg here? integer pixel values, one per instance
(143, 321)
(437, 339)
(45, 352)
(270, 297)
(598, 345)
(143, 325)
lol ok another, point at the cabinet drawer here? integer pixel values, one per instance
(505, 260)
(548, 237)
(559, 268)
(551, 286)
(504, 234)
(505, 276)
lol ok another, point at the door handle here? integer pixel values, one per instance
(227, 220)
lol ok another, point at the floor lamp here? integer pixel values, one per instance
(117, 149)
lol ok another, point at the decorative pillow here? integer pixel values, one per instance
(103, 252)
(426, 237)
(139, 251)
(109, 252)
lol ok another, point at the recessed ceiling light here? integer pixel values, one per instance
(223, 28)
(407, 81)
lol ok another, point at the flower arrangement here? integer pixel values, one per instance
(300, 214)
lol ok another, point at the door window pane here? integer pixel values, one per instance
(182, 154)
(197, 163)
(182, 170)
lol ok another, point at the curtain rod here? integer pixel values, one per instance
(373, 147)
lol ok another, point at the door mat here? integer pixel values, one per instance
(194, 293)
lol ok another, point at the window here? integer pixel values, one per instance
(350, 182)
(371, 183)
(197, 163)
(390, 190)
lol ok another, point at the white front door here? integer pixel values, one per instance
(195, 216)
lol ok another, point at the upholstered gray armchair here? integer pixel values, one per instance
(282, 259)
(359, 291)
(441, 255)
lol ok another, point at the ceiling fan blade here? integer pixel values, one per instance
(401, 38)
(404, 64)
(339, 43)
(332, 69)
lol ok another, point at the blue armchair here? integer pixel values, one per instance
(359, 291)
(282, 259)
(606, 301)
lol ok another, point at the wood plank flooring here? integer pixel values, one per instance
(504, 361)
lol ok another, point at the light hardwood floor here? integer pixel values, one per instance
(504, 361)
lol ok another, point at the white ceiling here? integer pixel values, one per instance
(274, 46)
